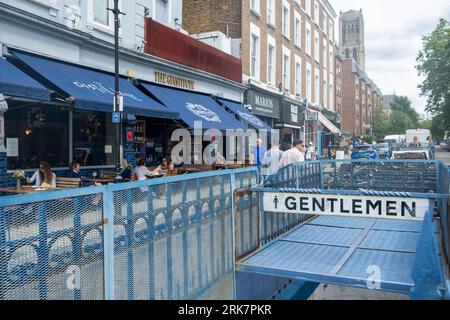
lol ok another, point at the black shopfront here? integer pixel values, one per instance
(290, 122)
(265, 105)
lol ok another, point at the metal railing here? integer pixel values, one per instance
(169, 238)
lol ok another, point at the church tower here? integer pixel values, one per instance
(351, 36)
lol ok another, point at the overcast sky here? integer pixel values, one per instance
(393, 32)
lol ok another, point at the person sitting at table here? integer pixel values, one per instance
(126, 171)
(142, 171)
(162, 169)
(74, 171)
(43, 177)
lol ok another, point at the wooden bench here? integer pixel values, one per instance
(67, 183)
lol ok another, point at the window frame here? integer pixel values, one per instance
(271, 74)
(298, 76)
(286, 70)
(98, 25)
(298, 30)
(255, 33)
(255, 6)
(286, 25)
(271, 8)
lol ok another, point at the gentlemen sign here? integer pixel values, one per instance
(174, 81)
(347, 206)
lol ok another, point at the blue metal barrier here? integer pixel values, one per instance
(168, 238)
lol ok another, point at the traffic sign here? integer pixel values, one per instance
(116, 117)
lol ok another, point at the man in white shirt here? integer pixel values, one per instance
(142, 171)
(293, 155)
(272, 159)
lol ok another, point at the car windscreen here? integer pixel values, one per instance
(362, 148)
(382, 146)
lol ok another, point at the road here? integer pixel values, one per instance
(443, 155)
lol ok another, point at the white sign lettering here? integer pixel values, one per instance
(99, 87)
(203, 112)
(345, 205)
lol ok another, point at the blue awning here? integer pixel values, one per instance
(15, 83)
(194, 106)
(245, 115)
(94, 90)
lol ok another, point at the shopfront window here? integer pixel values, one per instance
(36, 133)
(93, 138)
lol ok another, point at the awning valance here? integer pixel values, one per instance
(94, 89)
(193, 107)
(245, 115)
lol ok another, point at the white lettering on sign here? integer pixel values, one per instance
(264, 102)
(99, 87)
(349, 206)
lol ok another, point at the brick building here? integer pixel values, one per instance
(360, 95)
(288, 59)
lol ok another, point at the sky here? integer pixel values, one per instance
(393, 39)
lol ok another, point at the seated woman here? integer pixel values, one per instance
(163, 168)
(43, 177)
(142, 171)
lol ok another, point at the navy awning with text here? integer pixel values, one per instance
(93, 89)
(15, 83)
(194, 106)
(245, 115)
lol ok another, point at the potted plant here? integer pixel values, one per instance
(19, 175)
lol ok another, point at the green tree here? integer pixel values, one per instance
(434, 66)
(380, 124)
(403, 116)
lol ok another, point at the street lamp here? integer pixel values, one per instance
(118, 100)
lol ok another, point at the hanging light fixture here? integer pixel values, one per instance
(28, 131)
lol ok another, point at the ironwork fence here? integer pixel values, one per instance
(168, 238)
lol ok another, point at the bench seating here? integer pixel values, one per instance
(67, 183)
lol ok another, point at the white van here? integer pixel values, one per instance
(395, 138)
(422, 134)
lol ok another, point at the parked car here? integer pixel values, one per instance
(364, 152)
(384, 150)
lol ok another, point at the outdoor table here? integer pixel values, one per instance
(99, 180)
(154, 176)
(25, 190)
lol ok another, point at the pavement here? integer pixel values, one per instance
(332, 292)
(443, 155)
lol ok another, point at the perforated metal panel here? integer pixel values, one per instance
(173, 240)
(52, 249)
(325, 250)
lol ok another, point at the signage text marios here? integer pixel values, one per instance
(347, 206)
(174, 81)
(264, 104)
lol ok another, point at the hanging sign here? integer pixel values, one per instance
(116, 117)
(347, 205)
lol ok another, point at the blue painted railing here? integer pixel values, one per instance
(168, 238)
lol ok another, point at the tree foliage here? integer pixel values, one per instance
(380, 123)
(434, 66)
(403, 117)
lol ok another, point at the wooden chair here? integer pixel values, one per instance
(67, 183)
